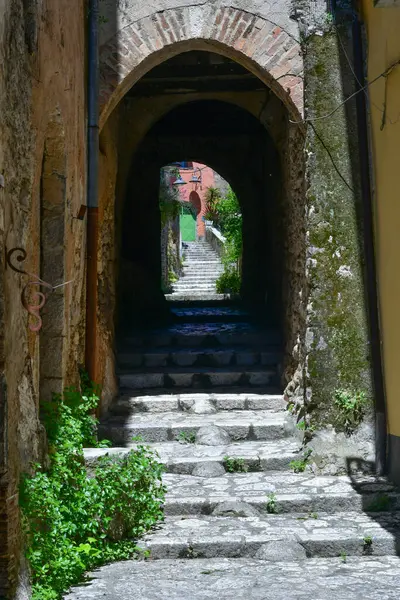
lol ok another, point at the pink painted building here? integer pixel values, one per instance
(195, 191)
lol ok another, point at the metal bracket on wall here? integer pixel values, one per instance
(32, 301)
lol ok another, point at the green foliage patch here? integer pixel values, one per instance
(299, 465)
(228, 282)
(74, 520)
(235, 465)
(350, 409)
(225, 213)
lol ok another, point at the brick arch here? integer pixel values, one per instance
(261, 46)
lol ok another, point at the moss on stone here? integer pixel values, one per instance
(338, 354)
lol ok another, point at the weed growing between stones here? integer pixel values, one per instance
(367, 542)
(186, 437)
(73, 521)
(235, 465)
(271, 505)
(343, 556)
(299, 465)
(351, 408)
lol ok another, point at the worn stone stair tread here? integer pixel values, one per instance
(183, 458)
(266, 348)
(258, 425)
(239, 418)
(197, 376)
(212, 357)
(358, 578)
(159, 401)
(198, 296)
(197, 369)
(237, 333)
(292, 492)
(327, 536)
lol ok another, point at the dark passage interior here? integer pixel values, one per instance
(216, 130)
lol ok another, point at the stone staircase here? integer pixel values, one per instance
(201, 269)
(239, 522)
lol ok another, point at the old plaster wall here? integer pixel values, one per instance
(41, 83)
(382, 28)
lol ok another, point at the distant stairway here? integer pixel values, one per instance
(201, 268)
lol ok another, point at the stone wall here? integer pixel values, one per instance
(42, 161)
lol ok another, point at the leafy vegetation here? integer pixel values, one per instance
(235, 465)
(73, 521)
(367, 543)
(299, 465)
(351, 407)
(186, 437)
(228, 282)
(225, 213)
(271, 504)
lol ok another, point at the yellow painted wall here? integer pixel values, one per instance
(383, 31)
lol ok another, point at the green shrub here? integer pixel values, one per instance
(351, 407)
(228, 282)
(72, 521)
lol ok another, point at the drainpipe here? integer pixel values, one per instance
(92, 188)
(368, 233)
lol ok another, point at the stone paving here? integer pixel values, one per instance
(162, 427)
(375, 578)
(239, 522)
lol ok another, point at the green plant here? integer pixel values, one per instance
(351, 407)
(186, 437)
(299, 465)
(73, 521)
(367, 541)
(301, 425)
(228, 282)
(235, 465)
(343, 556)
(271, 504)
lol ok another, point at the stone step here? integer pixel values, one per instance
(347, 578)
(205, 334)
(329, 535)
(161, 357)
(197, 314)
(185, 458)
(195, 377)
(190, 287)
(197, 277)
(158, 401)
(202, 260)
(164, 427)
(205, 270)
(193, 297)
(290, 492)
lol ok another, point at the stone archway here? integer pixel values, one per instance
(270, 51)
(264, 49)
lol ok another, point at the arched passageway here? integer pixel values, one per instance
(233, 141)
(205, 107)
